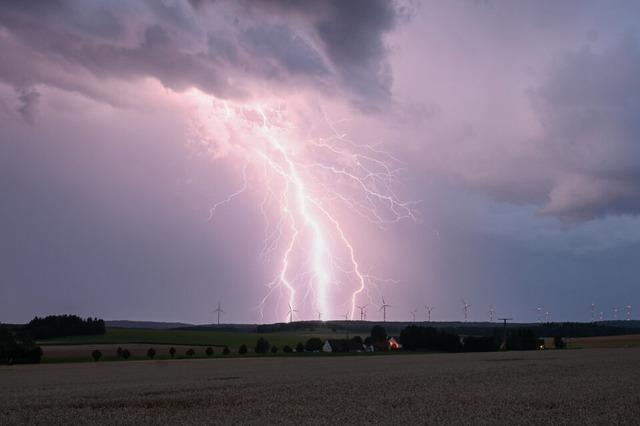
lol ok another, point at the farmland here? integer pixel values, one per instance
(78, 348)
(571, 386)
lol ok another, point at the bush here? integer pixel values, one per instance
(126, 354)
(151, 353)
(287, 349)
(96, 355)
(314, 344)
(299, 347)
(559, 342)
(243, 349)
(481, 344)
(262, 346)
(18, 348)
(416, 338)
(119, 352)
(226, 351)
(172, 351)
(209, 351)
(378, 334)
(274, 349)
(190, 352)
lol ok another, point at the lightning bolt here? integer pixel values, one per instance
(306, 183)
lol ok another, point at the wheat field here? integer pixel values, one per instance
(588, 386)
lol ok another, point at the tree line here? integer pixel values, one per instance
(64, 325)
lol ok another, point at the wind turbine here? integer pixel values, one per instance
(219, 311)
(539, 311)
(413, 314)
(466, 309)
(593, 312)
(346, 316)
(291, 311)
(428, 309)
(628, 312)
(547, 315)
(383, 308)
(615, 314)
(362, 311)
(491, 312)
(601, 315)
(319, 316)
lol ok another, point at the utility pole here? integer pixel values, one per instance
(504, 336)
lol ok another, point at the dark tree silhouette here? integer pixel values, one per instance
(314, 344)
(226, 351)
(151, 353)
(190, 352)
(378, 334)
(287, 349)
(274, 349)
(126, 354)
(96, 355)
(262, 346)
(299, 347)
(243, 349)
(559, 342)
(172, 351)
(64, 325)
(209, 351)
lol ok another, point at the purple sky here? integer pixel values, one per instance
(515, 124)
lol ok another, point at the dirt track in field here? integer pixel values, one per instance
(589, 386)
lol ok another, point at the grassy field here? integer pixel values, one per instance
(590, 386)
(79, 348)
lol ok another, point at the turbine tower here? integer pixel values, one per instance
(593, 312)
(319, 316)
(363, 311)
(219, 311)
(539, 311)
(547, 315)
(413, 314)
(346, 316)
(491, 312)
(615, 314)
(503, 346)
(466, 310)
(291, 311)
(383, 308)
(601, 315)
(628, 312)
(428, 309)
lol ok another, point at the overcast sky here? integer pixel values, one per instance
(516, 125)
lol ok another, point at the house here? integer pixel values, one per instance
(393, 344)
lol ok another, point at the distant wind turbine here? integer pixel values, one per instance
(466, 310)
(291, 311)
(346, 316)
(491, 313)
(628, 312)
(363, 311)
(219, 311)
(593, 312)
(547, 315)
(383, 308)
(319, 316)
(413, 314)
(428, 310)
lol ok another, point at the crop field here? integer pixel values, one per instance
(589, 386)
(626, 341)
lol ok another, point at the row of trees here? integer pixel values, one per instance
(64, 325)
(415, 338)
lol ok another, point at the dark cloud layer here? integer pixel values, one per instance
(590, 111)
(223, 48)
